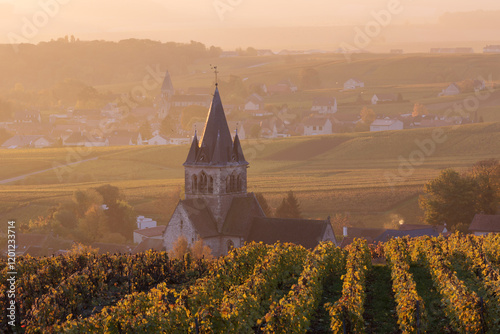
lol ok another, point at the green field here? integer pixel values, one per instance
(330, 174)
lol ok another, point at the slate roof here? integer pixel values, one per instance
(152, 231)
(216, 146)
(314, 121)
(389, 234)
(485, 223)
(167, 86)
(149, 244)
(367, 233)
(307, 233)
(201, 217)
(240, 215)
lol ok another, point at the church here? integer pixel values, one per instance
(217, 207)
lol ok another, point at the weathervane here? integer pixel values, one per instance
(216, 72)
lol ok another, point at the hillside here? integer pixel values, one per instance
(364, 174)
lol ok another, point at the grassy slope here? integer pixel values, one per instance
(330, 174)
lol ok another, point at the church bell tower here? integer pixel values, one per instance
(215, 168)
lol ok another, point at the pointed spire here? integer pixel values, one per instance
(219, 157)
(216, 127)
(167, 87)
(193, 151)
(238, 151)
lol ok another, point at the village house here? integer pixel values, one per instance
(27, 116)
(353, 84)
(491, 49)
(27, 141)
(217, 208)
(386, 124)
(151, 233)
(143, 222)
(317, 126)
(254, 102)
(159, 140)
(378, 98)
(324, 105)
(485, 224)
(452, 89)
(85, 140)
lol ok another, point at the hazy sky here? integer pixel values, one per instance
(113, 19)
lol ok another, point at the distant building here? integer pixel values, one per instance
(324, 105)
(452, 50)
(491, 49)
(452, 89)
(377, 98)
(397, 51)
(28, 141)
(485, 224)
(254, 102)
(151, 233)
(27, 116)
(143, 222)
(85, 140)
(353, 84)
(158, 140)
(317, 126)
(386, 124)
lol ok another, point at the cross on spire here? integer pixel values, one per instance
(216, 72)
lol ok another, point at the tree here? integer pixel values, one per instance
(268, 211)
(255, 131)
(93, 226)
(289, 207)
(201, 251)
(450, 198)
(146, 131)
(180, 248)
(419, 110)
(168, 126)
(310, 79)
(486, 173)
(367, 115)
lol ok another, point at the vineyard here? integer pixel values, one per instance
(433, 285)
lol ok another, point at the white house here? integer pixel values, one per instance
(376, 98)
(325, 105)
(254, 102)
(179, 141)
(317, 126)
(158, 140)
(353, 84)
(386, 124)
(143, 222)
(31, 141)
(149, 233)
(452, 89)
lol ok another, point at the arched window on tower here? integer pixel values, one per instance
(194, 184)
(210, 185)
(238, 183)
(232, 184)
(203, 182)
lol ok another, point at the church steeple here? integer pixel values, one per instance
(167, 88)
(217, 147)
(215, 168)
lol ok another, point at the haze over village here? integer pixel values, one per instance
(160, 149)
